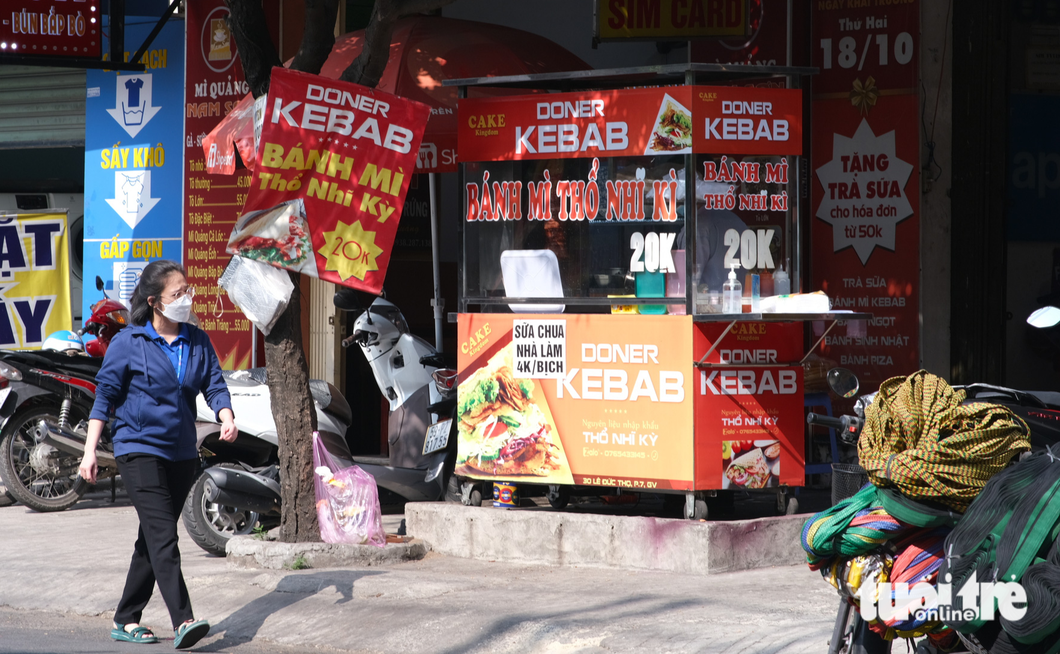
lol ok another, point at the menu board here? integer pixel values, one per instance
(213, 202)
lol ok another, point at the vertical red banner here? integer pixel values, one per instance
(213, 86)
(865, 191)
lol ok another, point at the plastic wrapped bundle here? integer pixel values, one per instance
(260, 291)
(347, 501)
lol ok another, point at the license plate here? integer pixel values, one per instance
(437, 437)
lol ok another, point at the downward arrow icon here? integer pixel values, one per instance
(132, 102)
(132, 195)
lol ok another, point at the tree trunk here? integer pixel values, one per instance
(292, 402)
(296, 420)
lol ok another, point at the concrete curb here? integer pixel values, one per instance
(251, 552)
(637, 543)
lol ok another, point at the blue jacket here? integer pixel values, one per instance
(154, 413)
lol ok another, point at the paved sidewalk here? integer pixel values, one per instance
(75, 562)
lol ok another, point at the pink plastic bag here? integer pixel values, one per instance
(347, 501)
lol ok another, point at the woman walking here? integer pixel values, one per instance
(150, 377)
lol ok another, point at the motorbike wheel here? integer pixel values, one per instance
(41, 477)
(842, 632)
(852, 635)
(211, 525)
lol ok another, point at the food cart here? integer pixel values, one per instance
(602, 214)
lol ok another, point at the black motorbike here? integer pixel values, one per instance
(45, 400)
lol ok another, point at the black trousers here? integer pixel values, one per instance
(157, 488)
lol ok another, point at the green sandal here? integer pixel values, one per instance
(137, 635)
(189, 633)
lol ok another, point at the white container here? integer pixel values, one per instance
(732, 293)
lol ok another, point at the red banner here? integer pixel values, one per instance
(745, 120)
(331, 177)
(853, 45)
(214, 86)
(55, 28)
(633, 122)
(749, 408)
(866, 186)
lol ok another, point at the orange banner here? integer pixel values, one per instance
(603, 400)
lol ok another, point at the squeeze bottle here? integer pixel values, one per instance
(732, 293)
(781, 283)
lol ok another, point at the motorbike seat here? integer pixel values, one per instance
(1003, 395)
(75, 366)
(1050, 398)
(251, 375)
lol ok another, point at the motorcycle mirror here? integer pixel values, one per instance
(843, 382)
(1044, 318)
(99, 283)
(347, 300)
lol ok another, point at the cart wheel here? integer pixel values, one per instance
(786, 505)
(470, 494)
(558, 496)
(695, 508)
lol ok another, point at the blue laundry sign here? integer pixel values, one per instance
(134, 199)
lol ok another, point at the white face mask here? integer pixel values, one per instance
(178, 310)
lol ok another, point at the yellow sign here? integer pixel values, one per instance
(34, 278)
(670, 19)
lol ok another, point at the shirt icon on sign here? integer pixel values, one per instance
(133, 110)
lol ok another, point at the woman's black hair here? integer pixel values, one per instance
(152, 283)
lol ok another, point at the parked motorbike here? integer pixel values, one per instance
(45, 399)
(422, 429)
(421, 391)
(239, 489)
(1041, 411)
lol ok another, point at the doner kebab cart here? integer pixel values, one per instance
(592, 345)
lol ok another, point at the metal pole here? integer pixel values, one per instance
(117, 30)
(438, 302)
(691, 219)
(790, 22)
